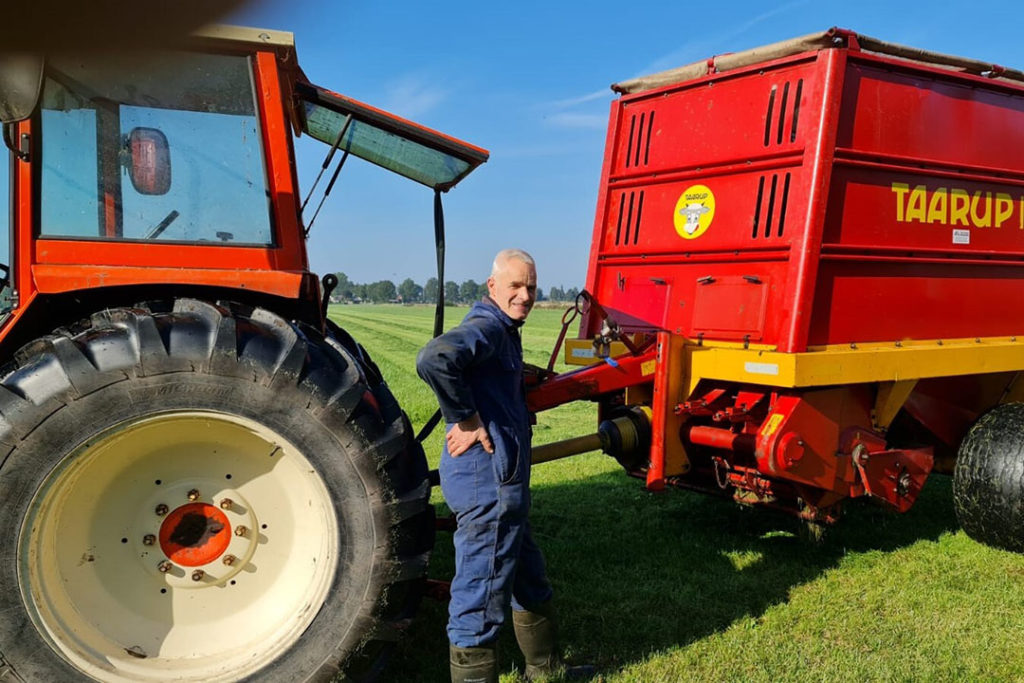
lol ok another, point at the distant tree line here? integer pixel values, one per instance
(408, 291)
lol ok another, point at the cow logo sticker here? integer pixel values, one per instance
(694, 211)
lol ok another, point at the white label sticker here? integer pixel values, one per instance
(762, 368)
(583, 353)
(961, 237)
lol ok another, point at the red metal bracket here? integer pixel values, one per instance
(845, 35)
(591, 382)
(894, 477)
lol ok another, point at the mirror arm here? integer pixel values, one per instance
(22, 148)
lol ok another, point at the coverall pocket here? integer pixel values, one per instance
(506, 456)
(461, 477)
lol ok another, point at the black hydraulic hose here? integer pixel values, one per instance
(439, 246)
(439, 310)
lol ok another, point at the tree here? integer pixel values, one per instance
(556, 294)
(344, 288)
(409, 291)
(469, 291)
(430, 290)
(451, 292)
(381, 291)
(572, 294)
(540, 294)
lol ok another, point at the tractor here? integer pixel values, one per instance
(203, 478)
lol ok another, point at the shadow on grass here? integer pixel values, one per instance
(636, 572)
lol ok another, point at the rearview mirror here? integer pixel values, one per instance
(21, 78)
(149, 161)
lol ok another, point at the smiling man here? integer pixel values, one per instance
(476, 371)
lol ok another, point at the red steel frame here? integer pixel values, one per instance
(60, 265)
(52, 266)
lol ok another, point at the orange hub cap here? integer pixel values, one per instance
(195, 534)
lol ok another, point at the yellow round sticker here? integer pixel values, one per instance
(694, 211)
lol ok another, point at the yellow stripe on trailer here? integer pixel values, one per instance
(581, 351)
(855, 363)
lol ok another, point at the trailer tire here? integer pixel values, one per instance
(988, 481)
(121, 434)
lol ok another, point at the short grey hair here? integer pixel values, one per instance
(508, 254)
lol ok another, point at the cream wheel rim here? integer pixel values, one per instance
(126, 567)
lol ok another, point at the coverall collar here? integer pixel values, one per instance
(490, 305)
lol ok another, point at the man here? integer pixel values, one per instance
(476, 371)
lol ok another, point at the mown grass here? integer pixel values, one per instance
(678, 586)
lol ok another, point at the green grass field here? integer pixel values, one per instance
(677, 586)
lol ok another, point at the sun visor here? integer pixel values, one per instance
(401, 146)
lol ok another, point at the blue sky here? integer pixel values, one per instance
(529, 82)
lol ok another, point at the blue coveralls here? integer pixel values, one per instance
(477, 367)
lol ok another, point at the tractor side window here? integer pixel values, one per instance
(169, 150)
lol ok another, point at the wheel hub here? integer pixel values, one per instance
(219, 540)
(195, 534)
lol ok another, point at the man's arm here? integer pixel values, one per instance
(442, 364)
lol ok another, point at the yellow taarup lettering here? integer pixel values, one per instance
(954, 206)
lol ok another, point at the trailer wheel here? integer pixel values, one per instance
(203, 492)
(988, 481)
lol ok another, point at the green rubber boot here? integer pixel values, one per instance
(473, 664)
(537, 635)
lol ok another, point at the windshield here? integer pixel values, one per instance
(167, 150)
(421, 154)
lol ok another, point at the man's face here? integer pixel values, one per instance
(514, 288)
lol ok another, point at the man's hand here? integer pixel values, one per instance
(461, 437)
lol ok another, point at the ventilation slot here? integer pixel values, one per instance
(638, 147)
(773, 197)
(796, 109)
(631, 209)
(768, 117)
(775, 129)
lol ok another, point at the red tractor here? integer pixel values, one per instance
(202, 477)
(806, 282)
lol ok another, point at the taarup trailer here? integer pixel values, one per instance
(807, 281)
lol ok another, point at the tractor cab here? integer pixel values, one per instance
(174, 169)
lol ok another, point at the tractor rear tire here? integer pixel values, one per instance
(203, 492)
(988, 481)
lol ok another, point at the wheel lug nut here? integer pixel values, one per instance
(241, 530)
(193, 495)
(198, 575)
(148, 539)
(226, 504)
(161, 510)
(164, 566)
(229, 560)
